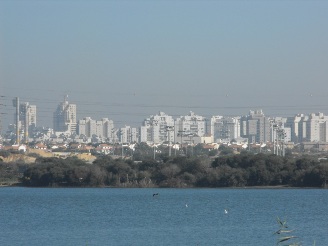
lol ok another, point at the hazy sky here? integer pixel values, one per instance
(126, 60)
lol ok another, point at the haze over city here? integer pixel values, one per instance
(126, 60)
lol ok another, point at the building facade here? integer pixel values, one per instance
(294, 124)
(316, 128)
(103, 128)
(129, 135)
(256, 127)
(157, 129)
(225, 128)
(308, 128)
(27, 117)
(190, 125)
(64, 118)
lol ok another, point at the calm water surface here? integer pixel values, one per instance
(105, 216)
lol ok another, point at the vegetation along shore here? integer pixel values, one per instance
(220, 169)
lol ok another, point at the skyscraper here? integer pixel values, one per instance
(27, 116)
(64, 119)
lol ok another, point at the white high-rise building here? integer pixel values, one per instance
(27, 114)
(64, 118)
(225, 128)
(316, 128)
(190, 125)
(308, 128)
(103, 128)
(108, 129)
(27, 117)
(294, 123)
(155, 129)
(128, 135)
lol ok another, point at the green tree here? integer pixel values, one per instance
(225, 150)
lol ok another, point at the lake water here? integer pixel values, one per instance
(106, 216)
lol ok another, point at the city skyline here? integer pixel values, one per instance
(99, 114)
(125, 60)
(255, 127)
(161, 128)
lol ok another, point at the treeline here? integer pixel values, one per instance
(10, 173)
(266, 170)
(240, 170)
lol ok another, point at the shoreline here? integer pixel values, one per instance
(268, 187)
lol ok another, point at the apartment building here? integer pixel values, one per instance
(128, 134)
(27, 114)
(64, 118)
(316, 128)
(224, 128)
(191, 124)
(295, 126)
(157, 129)
(256, 127)
(308, 128)
(103, 128)
(27, 117)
